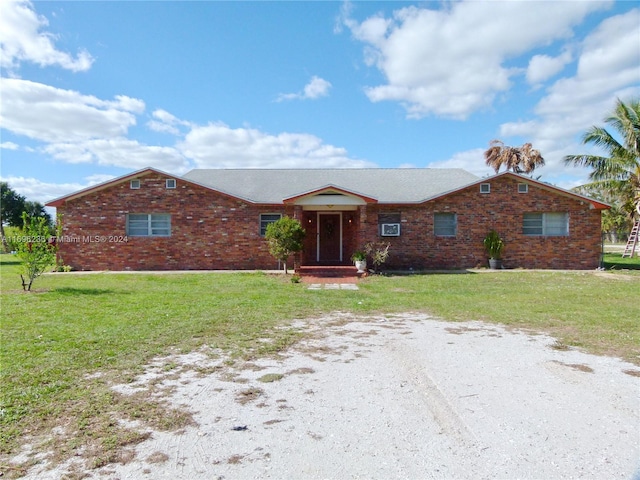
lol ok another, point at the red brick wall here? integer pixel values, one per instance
(208, 230)
(214, 231)
(502, 209)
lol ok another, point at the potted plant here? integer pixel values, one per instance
(359, 258)
(494, 245)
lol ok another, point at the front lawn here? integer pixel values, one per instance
(64, 344)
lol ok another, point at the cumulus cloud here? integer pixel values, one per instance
(543, 67)
(119, 152)
(9, 146)
(469, 160)
(50, 114)
(219, 146)
(454, 61)
(165, 122)
(316, 88)
(607, 70)
(23, 38)
(39, 191)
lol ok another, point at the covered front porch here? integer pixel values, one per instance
(334, 221)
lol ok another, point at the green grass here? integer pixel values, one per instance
(614, 261)
(64, 344)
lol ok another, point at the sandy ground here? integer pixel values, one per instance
(397, 397)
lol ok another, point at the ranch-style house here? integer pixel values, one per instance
(212, 219)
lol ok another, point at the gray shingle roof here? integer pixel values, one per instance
(387, 185)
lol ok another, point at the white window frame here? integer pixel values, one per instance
(149, 224)
(523, 188)
(545, 224)
(170, 183)
(438, 228)
(266, 221)
(134, 184)
(485, 188)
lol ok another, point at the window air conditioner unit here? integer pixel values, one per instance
(390, 230)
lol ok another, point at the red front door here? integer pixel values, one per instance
(329, 238)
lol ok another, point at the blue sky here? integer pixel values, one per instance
(95, 90)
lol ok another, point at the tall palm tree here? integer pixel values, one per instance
(619, 172)
(522, 159)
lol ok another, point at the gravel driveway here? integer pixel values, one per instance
(398, 396)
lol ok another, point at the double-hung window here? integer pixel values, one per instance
(149, 224)
(552, 224)
(445, 224)
(266, 219)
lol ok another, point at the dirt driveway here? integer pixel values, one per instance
(390, 397)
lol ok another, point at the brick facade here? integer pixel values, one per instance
(211, 230)
(502, 209)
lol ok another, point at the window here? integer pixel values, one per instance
(523, 188)
(149, 225)
(444, 224)
(171, 183)
(266, 219)
(389, 224)
(545, 224)
(135, 184)
(485, 187)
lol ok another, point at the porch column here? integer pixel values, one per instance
(362, 225)
(297, 215)
(297, 212)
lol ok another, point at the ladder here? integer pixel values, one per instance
(630, 249)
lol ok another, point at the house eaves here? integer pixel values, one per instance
(594, 204)
(57, 202)
(326, 190)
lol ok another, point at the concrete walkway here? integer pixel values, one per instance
(332, 286)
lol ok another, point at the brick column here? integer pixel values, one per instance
(298, 215)
(362, 225)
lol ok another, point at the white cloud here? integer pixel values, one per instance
(452, 62)
(119, 152)
(22, 39)
(9, 146)
(220, 146)
(50, 114)
(165, 122)
(543, 67)
(607, 70)
(470, 160)
(316, 88)
(39, 191)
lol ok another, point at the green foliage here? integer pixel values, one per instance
(12, 206)
(63, 348)
(493, 245)
(285, 238)
(36, 249)
(619, 170)
(358, 256)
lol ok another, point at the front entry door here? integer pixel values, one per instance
(329, 238)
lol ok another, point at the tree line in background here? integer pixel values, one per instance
(12, 207)
(615, 175)
(32, 234)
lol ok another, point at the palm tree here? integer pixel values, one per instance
(619, 172)
(522, 159)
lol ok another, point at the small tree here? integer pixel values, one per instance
(285, 238)
(37, 250)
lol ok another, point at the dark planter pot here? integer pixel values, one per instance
(495, 264)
